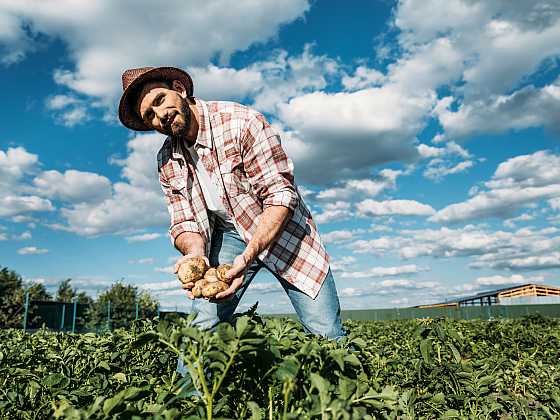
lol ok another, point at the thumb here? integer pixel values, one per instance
(237, 268)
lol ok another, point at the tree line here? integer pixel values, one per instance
(117, 304)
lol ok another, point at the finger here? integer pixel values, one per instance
(190, 295)
(234, 272)
(236, 284)
(187, 286)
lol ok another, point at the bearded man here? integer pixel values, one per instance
(231, 196)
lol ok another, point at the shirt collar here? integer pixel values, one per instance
(203, 137)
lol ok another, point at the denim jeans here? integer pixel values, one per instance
(320, 316)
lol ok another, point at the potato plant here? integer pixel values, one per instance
(268, 369)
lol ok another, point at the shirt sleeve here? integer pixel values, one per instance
(270, 171)
(182, 218)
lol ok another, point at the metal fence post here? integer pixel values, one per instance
(109, 314)
(26, 309)
(63, 316)
(74, 315)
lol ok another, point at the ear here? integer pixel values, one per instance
(176, 85)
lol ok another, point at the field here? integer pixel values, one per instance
(261, 369)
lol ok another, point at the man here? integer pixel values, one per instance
(231, 196)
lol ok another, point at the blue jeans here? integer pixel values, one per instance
(320, 316)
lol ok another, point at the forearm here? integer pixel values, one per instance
(270, 227)
(190, 243)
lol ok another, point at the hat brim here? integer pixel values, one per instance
(127, 113)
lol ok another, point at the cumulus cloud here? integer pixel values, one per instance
(393, 207)
(340, 236)
(73, 186)
(99, 35)
(338, 210)
(524, 249)
(386, 179)
(135, 203)
(517, 182)
(384, 271)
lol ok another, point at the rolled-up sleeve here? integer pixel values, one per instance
(268, 168)
(182, 218)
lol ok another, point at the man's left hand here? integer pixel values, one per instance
(237, 273)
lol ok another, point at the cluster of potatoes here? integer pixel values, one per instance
(208, 281)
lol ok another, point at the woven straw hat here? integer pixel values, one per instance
(132, 81)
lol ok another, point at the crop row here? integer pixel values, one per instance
(269, 368)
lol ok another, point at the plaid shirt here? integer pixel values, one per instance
(255, 173)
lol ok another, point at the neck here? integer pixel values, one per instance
(192, 134)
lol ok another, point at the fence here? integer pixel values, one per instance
(467, 312)
(73, 317)
(76, 317)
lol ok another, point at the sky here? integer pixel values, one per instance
(424, 134)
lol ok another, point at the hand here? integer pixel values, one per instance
(237, 273)
(183, 259)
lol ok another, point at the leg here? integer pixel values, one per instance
(320, 316)
(226, 245)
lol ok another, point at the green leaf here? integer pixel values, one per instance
(255, 410)
(425, 349)
(456, 354)
(104, 365)
(53, 380)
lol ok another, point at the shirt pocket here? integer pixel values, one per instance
(235, 183)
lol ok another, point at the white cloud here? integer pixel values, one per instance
(519, 181)
(345, 134)
(495, 282)
(524, 249)
(143, 237)
(363, 77)
(15, 163)
(99, 35)
(525, 108)
(73, 186)
(393, 207)
(340, 236)
(11, 205)
(339, 210)
(386, 179)
(384, 271)
(32, 250)
(136, 202)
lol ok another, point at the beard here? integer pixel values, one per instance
(181, 128)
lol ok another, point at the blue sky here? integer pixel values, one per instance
(424, 137)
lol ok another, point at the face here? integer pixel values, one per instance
(165, 110)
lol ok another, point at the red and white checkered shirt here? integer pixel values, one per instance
(255, 173)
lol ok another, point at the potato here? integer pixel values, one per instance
(211, 274)
(213, 288)
(192, 270)
(198, 286)
(221, 273)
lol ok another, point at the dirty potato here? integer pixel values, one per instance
(213, 288)
(198, 286)
(211, 275)
(221, 273)
(192, 270)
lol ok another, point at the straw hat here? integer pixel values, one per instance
(132, 81)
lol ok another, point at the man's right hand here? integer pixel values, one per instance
(181, 260)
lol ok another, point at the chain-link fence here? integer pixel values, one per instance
(79, 317)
